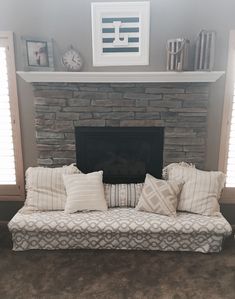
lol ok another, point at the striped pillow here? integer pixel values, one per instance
(84, 192)
(159, 196)
(45, 187)
(201, 190)
(122, 195)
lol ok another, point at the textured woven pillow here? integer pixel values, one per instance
(122, 195)
(84, 192)
(201, 190)
(159, 196)
(45, 187)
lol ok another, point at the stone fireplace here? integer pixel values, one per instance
(125, 154)
(181, 108)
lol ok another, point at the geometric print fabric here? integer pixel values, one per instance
(118, 228)
(159, 196)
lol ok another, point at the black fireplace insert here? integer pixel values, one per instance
(125, 154)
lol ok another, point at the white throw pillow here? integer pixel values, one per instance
(45, 187)
(84, 192)
(122, 195)
(159, 196)
(201, 190)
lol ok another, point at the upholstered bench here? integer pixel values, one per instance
(117, 228)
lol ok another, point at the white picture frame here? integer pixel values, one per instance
(38, 54)
(120, 33)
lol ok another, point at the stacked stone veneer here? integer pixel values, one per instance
(180, 108)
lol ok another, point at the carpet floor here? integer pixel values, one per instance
(113, 274)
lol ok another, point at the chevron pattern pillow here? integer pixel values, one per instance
(159, 196)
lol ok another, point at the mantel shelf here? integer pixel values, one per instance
(120, 77)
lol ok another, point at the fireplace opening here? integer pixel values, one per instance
(124, 154)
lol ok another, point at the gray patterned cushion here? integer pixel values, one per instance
(159, 196)
(119, 228)
(122, 195)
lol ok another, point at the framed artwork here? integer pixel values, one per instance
(38, 54)
(120, 33)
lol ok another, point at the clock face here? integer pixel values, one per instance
(72, 60)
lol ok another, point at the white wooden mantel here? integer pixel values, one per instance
(120, 77)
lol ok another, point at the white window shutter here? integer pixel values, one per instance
(7, 158)
(11, 160)
(230, 182)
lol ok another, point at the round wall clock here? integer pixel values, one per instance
(72, 60)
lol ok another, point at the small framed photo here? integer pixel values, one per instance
(120, 33)
(38, 54)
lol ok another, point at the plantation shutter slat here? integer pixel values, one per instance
(230, 182)
(7, 158)
(11, 164)
(227, 138)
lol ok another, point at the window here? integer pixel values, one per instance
(11, 162)
(227, 148)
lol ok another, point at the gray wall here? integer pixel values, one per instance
(68, 21)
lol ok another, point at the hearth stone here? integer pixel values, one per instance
(181, 108)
